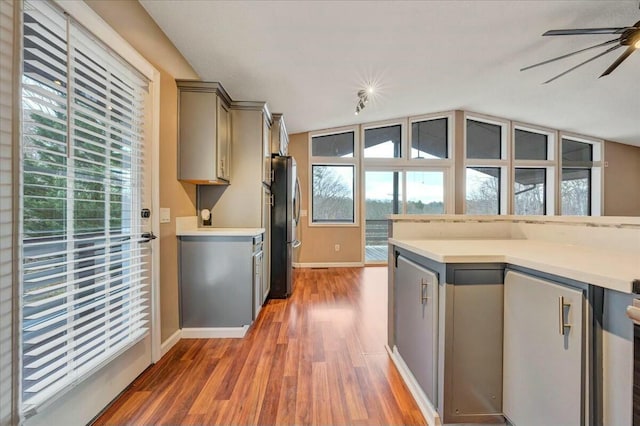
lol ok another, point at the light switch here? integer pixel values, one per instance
(303, 213)
(165, 215)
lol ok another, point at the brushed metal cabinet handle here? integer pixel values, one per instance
(561, 320)
(423, 287)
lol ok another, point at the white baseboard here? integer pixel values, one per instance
(329, 265)
(170, 342)
(214, 332)
(426, 407)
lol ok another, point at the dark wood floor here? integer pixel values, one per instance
(315, 358)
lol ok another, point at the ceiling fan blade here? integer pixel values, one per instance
(582, 31)
(611, 49)
(615, 40)
(618, 61)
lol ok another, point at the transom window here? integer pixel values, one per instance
(430, 139)
(383, 142)
(335, 145)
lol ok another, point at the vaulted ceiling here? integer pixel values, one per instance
(308, 59)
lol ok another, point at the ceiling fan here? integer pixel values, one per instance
(629, 36)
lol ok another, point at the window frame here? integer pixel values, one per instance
(335, 161)
(550, 165)
(596, 198)
(504, 163)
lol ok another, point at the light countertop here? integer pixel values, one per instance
(188, 227)
(614, 270)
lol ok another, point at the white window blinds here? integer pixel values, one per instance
(85, 274)
(6, 212)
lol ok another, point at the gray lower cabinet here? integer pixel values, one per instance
(416, 322)
(543, 352)
(218, 280)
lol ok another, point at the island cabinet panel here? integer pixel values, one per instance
(417, 322)
(472, 331)
(543, 352)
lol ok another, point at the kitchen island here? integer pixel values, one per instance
(516, 317)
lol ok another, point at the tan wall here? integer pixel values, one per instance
(133, 23)
(318, 242)
(621, 180)
(179, 197)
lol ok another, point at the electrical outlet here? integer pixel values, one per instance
(336, 247)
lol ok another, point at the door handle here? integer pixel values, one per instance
(297, 200)
(562, 324)
(147, 237)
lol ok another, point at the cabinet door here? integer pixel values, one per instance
(266, 152)
(284, 142)
(224, 141)
(197, 136)
(416, 301)
(257, 283)
(542, 370)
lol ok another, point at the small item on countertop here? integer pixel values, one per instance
(205, 215)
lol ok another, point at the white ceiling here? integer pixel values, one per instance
(308, 59)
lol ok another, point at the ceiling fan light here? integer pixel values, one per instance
(637, 44)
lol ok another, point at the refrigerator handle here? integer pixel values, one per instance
(296, 200)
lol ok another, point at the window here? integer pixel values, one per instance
(332, 193)
(576, 191)
(425, 192)
(333, 182)
(486, 166)
(83, 272)
(336, 145)
(483, 190)
(534, 171)
(530, 145)
(580, 172)
(530, 191)
(383, 196)
(384, 189)
(383, 142)
(429, 138)
(484, 140)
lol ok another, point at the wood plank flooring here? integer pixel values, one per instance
(317, 358)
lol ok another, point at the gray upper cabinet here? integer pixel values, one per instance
(279, 136)
(204, 133)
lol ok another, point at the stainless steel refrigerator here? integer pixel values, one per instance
(285, 214)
